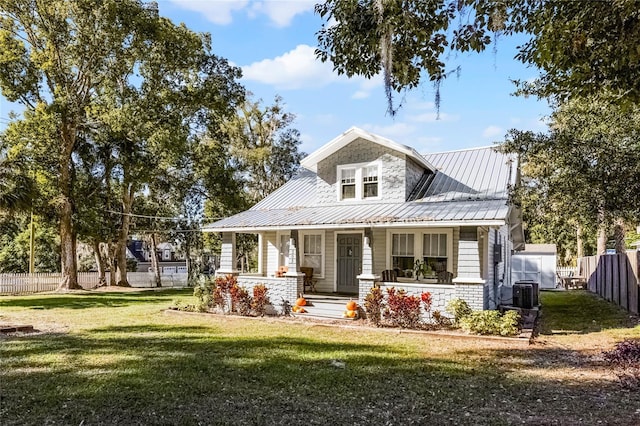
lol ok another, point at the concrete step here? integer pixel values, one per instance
(325, 307)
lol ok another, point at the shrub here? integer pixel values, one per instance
(440, 319)
(491, 322)
(625, 360)
(225, 294)
(459, 309)
(240, 299)
(402, 310)
(260, 299)
(373, 305)
(203, 292)
(426, 301)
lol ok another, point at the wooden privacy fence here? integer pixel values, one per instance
(614, 277)
(40, 282)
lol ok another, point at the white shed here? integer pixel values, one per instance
(537, 262)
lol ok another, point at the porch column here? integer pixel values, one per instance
(469, 283)
(366, 280)
(294, 278)
(228, 255)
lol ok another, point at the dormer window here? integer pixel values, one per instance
(370, 180)
(348, 184)
(359, 181)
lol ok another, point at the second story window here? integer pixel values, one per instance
(370, 180)
(348, 184)
(359, 181)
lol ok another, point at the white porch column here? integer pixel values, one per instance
(228, 255)
(366, 280)
(295, 278)
(469, 283)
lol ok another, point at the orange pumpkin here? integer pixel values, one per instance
(301, 301)
(351, 305)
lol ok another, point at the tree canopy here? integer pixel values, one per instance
(581, 48)
(110, 73)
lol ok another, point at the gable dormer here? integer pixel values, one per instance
(359, 167)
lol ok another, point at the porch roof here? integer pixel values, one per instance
(446, 213)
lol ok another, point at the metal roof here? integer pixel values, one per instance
(469, 186)
(370, 215)
(479, 173)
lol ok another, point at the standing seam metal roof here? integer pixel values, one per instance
(468, 185)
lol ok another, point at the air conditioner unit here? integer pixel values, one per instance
(523, 295)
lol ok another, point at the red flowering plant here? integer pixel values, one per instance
(402, 310)
(426, 301)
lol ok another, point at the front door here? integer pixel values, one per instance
(349, 262)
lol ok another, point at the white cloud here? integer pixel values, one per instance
(281, 13)
(398, 132)
(492, 132)
(295, 69)
(220, 12)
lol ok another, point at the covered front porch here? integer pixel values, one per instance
(458, 262)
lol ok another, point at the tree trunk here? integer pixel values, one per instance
(113, 263)
(102, 280)
(154, 259)
(69, 267)
(127, 202)
(618, 235)
(579, 243)
(602, 240)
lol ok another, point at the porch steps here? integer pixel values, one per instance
(325, 306)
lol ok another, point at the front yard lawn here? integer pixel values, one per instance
(116, 358)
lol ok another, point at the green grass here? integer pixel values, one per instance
(116, 358)
(580, 312)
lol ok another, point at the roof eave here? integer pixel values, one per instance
(311, 161)
(407, 224)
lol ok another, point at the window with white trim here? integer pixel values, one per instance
(347, 184)
(370, 182)
(435, 247)
(359, 181)
(284, 250)
(313, 253)
(402, 252)
(434, 251)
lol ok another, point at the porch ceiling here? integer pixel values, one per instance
(448, 213)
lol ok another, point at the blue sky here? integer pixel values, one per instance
(273, 42)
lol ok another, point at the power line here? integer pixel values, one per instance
(172, 218)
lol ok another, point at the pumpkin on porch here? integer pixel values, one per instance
(301, 301)
(351, 305)
(351, 314)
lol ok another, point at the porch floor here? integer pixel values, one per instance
(325, 306)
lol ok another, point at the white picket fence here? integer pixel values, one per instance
(41, 282)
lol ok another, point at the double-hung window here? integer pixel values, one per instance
(402, 251)
(434, 247)
(370, 182)
(359, 181)
(284, 250)
(313, 253)
(434, 251)
(348, 184)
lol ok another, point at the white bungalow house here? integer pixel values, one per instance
(363, 210)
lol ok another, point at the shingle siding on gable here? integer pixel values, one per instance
(395, 170)
(413, 174)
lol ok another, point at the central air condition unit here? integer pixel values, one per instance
(523, 295)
